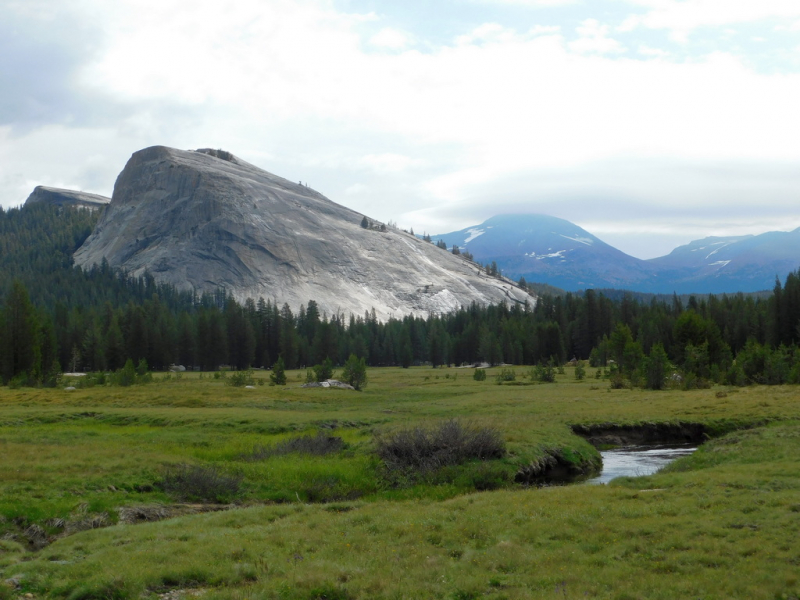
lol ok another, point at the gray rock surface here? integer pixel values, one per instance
(60, 197)
(204, 219)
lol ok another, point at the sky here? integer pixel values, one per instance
(650, 123)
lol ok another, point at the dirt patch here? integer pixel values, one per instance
(36, 537)
(158, 512)
(611, 434)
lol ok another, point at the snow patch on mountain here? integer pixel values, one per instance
(559, 254)
(718, 249)
(582, 240)
(473, 233)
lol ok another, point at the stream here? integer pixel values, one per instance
(636, 461)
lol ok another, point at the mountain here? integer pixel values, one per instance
(60, 197)
(723, 264)
(547, 249)
(203, 220)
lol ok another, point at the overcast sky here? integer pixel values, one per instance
(649, 123)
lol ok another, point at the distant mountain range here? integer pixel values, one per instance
(550, 250)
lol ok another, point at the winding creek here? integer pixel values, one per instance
(636, 461)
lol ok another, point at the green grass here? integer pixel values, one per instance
(721, 523)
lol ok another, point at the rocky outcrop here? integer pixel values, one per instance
(203, 220)
(59, 197)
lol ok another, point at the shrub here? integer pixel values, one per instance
(324, 371)
(450, 443)
(506, 375)
(580, 371)
(18, 381)
(188, 482)
(125, 376)
(317, 445)
(240, 379)
(618, 381)
(544, 373)
(355, 372)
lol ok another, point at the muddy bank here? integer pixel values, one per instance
(611, 434)
(557, 467)
(34, 536)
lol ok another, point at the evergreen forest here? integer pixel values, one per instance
(55, 317)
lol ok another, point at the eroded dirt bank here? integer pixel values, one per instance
(612, 434)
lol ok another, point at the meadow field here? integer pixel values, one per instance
(188, 486)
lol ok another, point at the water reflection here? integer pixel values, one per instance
(635, 461)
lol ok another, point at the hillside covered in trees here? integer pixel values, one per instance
(55, 317)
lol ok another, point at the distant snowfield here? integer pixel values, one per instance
(559, 254)
(717, 250)
(473, 233)
(582, 240)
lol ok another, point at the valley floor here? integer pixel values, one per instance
(80, 467)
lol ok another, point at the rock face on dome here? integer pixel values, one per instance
(205, 220)
(59, 197)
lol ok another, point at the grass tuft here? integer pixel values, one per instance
(450, 443)
(205, 484)
(315, 445)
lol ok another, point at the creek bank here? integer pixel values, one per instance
(559, 466)
(562, 466)
(642, 434)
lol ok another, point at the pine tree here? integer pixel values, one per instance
(278, 375)
(355, 372)
(656, 368)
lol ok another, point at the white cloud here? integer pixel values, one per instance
(681, 17)
(593, 38)
(391, 39)
(356, 189)
(389, 163)
(291, 86)
(645, 50)
(531, 3)
(544, 30)
(488, 32)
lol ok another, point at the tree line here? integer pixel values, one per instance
(702, 339)
(55, 317)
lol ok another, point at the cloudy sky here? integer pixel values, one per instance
(648, 122)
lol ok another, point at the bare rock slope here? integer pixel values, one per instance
(205, 219)
(48, 195)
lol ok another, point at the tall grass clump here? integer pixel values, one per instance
(315, 445)
(199, 483)
(450, 443)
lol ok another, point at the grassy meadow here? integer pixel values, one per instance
(83, 472)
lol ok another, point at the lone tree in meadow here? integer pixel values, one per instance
(355, 372)
(278, 375)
